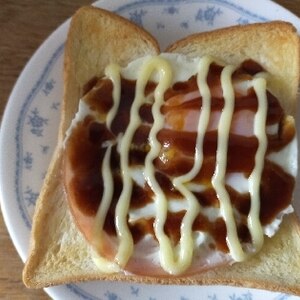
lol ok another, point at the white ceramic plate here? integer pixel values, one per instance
(30, 124)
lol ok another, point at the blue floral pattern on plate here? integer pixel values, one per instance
(37, 125)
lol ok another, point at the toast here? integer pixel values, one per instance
(59, 253)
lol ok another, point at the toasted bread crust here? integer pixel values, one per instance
(58, 251)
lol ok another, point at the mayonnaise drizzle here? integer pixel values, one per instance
(153, 64)
(176, 260)
(167, 256)
(193, 208)
(218, 180)
(254, 224)
(106, 265)
(112, 71)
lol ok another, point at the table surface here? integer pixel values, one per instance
(20, 20)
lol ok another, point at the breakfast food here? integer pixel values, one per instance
(172, 166)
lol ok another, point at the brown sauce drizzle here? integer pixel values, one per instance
(85, 152)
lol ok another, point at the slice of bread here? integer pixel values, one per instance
(58, 252)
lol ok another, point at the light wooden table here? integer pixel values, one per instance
(23, 27)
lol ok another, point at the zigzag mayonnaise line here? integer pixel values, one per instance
(176, 259)
(104, 264)
(164, 82)
(112, 71)
(218, 180)
(165, 75)
(254, 224)
(186, 242)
